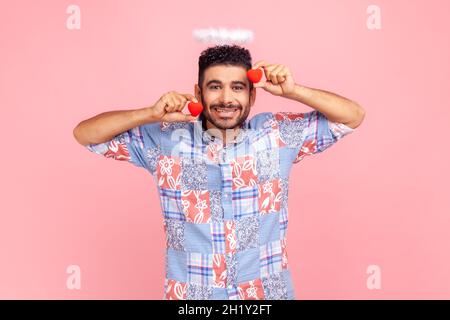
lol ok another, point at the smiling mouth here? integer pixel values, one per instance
(227, 112)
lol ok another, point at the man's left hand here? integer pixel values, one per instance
(278, 79)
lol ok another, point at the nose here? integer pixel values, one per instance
(227, 96)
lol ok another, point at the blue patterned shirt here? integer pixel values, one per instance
(225, 208)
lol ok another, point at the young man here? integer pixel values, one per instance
(223, 179)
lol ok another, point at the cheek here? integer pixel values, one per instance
(208, 100)
(245, 102)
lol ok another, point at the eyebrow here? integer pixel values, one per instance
(220, 82)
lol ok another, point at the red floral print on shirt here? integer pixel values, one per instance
(244, 172)
(269, 196)
(251, 290)
(118, 151)
(196, 206)
(175, 290)
(168, 171)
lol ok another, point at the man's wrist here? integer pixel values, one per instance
(300, 93)
(144, 115)
(294, 94)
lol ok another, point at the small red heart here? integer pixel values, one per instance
(195, 108)
(254, 75)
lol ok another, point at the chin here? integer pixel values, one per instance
(227, 123)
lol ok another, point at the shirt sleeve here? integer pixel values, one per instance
(309, 132)
(139, 146)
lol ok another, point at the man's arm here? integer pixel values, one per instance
(336, 108)
(107, 125)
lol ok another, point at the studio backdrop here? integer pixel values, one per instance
(369, 217)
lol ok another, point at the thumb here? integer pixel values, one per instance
(262, 84)
(179, 117)
(189, 117)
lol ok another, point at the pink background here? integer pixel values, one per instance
(378, 197)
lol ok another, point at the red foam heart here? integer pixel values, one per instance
(254, 75)
(195, 108)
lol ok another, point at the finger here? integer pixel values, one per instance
(276, 74)
(183, 103)
(268, 84)
(260, 63)
(259, 84)
(278, 68)
(176, 100)
(190, 97)
(264, 85)
(273, 77)
(171, 105)
(271, 67)
(167, 104)
(286, 73)
(189, 117)
(179, 103)
(175, 97)
(280, 78)
(268, 70)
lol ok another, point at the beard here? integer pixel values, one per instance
(225, 117)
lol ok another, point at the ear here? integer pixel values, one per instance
(197, 92)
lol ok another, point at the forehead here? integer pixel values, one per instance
(225, 73)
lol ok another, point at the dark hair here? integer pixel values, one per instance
(223, 54)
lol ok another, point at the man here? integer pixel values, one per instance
(223, 179)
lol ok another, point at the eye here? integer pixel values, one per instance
(239, 87)
(213, 86)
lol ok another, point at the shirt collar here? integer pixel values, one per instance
(209, 138)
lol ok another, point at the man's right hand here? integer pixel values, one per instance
(170, 106)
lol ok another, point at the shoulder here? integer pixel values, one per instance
(264, 118)
(261, 120)
(163, 128)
